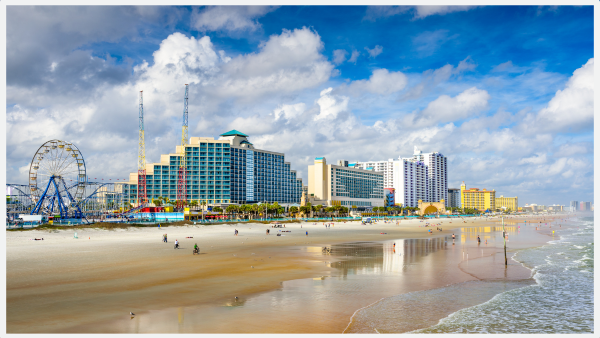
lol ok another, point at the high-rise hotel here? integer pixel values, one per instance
(227, 170)
(421, 177)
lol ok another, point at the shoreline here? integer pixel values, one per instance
(296, 265)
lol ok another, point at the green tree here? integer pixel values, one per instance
(217, 209)
(293, 210)
(231, 209)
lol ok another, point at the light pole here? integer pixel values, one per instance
(504, 235)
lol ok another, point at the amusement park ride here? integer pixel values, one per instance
(59, 186)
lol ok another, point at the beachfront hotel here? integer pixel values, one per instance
(223, 171)
(421, 177)
(477, 199)
(454, 198)
(508, 203)
(574, 206)
(330, 184)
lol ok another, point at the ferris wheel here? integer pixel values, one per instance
(57, 179)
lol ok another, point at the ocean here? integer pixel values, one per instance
(560, 300)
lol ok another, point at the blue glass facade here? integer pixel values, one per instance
(261, 176)
(221, 173)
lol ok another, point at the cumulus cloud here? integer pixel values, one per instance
(381, 82)
(339, 56)
(289, 111)
(375, 51)
(464, 105)
(573, 107)
(229, 18)
(330, 105)
(287, 62)
(354, 56)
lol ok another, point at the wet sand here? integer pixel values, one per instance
(90, 284)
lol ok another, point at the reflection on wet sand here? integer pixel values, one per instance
(361, 273)
(378, 258)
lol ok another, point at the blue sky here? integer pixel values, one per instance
(506, 92)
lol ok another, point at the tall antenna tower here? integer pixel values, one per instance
(142, 197)
(182, 181)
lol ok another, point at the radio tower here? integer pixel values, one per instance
(182, 181)
(142, 197)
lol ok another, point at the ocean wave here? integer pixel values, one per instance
(561, 301)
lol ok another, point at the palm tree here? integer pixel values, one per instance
(256, 209)
(231, 209)
(203, 204)
(293, 210)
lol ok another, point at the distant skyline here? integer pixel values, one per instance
(505, 92)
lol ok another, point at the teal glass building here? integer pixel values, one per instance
(227, 170)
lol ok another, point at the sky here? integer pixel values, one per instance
(504, 92)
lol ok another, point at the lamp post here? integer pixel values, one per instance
(504, 235)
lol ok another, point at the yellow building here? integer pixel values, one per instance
(511, 203)
(477, 199)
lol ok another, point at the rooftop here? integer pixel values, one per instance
(234, 133)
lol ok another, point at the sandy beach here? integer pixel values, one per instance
(90, 284)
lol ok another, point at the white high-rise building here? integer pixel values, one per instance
(438, 174)
(422, 177)
(383, 166)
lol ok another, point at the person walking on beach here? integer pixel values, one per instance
(307, 233)
(478, 240)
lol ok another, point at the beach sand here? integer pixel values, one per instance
(90, 284)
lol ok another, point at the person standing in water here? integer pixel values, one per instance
(478, 240)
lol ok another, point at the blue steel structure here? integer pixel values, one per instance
(50, 197)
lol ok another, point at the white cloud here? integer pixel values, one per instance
(465, 104)
(570, 149)
(572, 107)
(229, 18)
(330, 105)
(375, 51)
(285, 63)
(419, 12)
(339, 56)
(254, 124)
(429, 42)
(354, 56)
(289, 111)
(425, 11)
(509, 67)
(540, 158)
(432, 78)
(382, 82)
